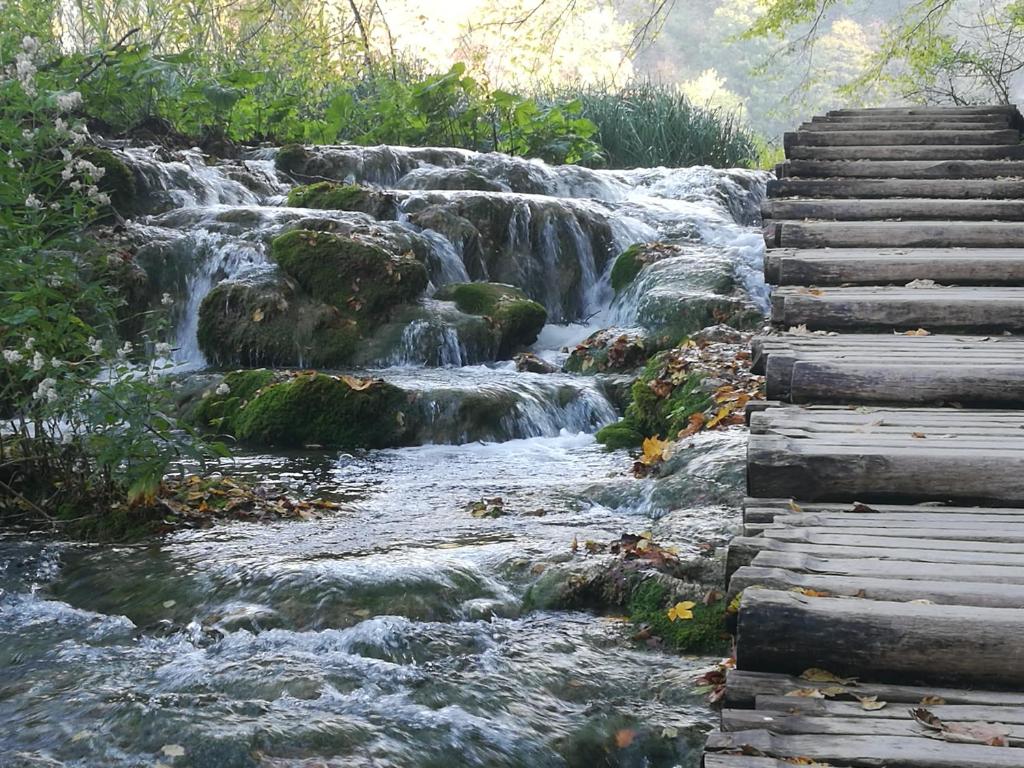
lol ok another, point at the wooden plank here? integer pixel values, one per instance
(881, 568)
(855, 137)
(747, 761)
(834, 725)
(744, 686)
(946, 309)
(923, 152)
(956, 592)
(872, 751)
(971, 537)
(870, 266)
(930, 111)
(903, 169)
(959, 189)
(908, 123)
(894, 234)
(871, 417)
(905, 209)
(876, 639)
(937, 383)
(953, 713)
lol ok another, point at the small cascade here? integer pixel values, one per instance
(425, 343)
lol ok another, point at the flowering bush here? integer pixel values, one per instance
(85, 417)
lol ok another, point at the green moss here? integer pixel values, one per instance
(314, 408)
(118, 179)
(626, 267)
(621, 434)
(704, 633)
(291, 158)
(264, 321)
(361, 279)
(517, 319)
(329, 195)
(220, 411)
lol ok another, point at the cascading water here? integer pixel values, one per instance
(399, 631)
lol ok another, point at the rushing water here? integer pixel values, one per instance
(393, 631)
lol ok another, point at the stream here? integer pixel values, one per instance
(398, 630)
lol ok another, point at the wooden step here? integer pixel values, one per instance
(899, 266)
(905, 455)
(878, 639)
(926, 152)
(929, 111)
(888, 369)
(902, 169)
(859, 138)
(761, 512)
(905, 209)
(978, 310)
(893, 234)
(953, 189)
(908, 123)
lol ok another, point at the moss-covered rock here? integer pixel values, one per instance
(704, 632)
(329, 195)
(612, 350)
(621, 434)
(291, 158)
(626, 267)
(359, 277)
(219, 407)
(340, 412)
(517, 319)
(118, 179)
(264, 320)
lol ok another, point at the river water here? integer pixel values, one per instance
(397, 630)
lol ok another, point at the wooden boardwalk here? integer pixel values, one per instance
(881, 564)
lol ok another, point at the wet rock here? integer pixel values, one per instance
(516, 319)
(719, 334)
(118, 180)
(329, 195)
(355, 275)
(611, 350)
(528, 362)
(263, 318)
(431, 333)
(295, 410)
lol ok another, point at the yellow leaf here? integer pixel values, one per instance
(816, 675)
(655, 451)
(870, 703)
(355, 384)
(624, 738)
(918, 332)
(932, 701)
(681, 611)
(257, 315)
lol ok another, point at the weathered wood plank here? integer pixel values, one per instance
(905, 209)
(834, 725)
(950, 712)
(746, 761)
(867, 266)
(956, 592)
(880, 568)
(744, 686)
(954, 189)
(902, 169)
(894, 234)
(908, 123)
(945, 309)
(921, 152)
(872, 751)
(874, 639)
(930, 111)
(871, 417)
(855, 137)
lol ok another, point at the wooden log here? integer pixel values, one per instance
(873, 588)
(747, 761)
(923, 152)
(937, 383)
(817, 470)
(908, 123)
(894, 234)
(882, 568)
(959, 189)
(744, 687)
(905, 209)
(947, 310)
(903, 169)
(866, 419)
(875, 639)
(953, 713)
(929, 111)
(859, 138)
(868, 751)
(834, 725)
(867, 266)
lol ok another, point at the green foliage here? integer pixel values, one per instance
(704, 633)
(316, 409)
(645, 124)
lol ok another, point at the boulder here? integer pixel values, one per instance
(611, 350)
(329, 195)
(516, 319)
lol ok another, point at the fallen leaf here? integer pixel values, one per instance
(624, 737)
(257, 315)
(172, 750)
(655, 451)
(681, 611)
(932, 701)
(870, 703)
(989, 734)
(806, 693)
(918, 332)
(357, 384)
(816, 675)
(918, 435)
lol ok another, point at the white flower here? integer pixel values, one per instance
(54, 206)
(30, 342)
(95, 345)
(223, 389)
(69, 100)
(28, 134)
(33, 202)
(102, 198)
(125, 350)
(76, 185)
(46, 390)
(29, 44)
(38, 361)
(153, 378)
(167, 299)
(54, 362)
(60, 126)
(163, 349)
(13, 356)
(65, 155)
